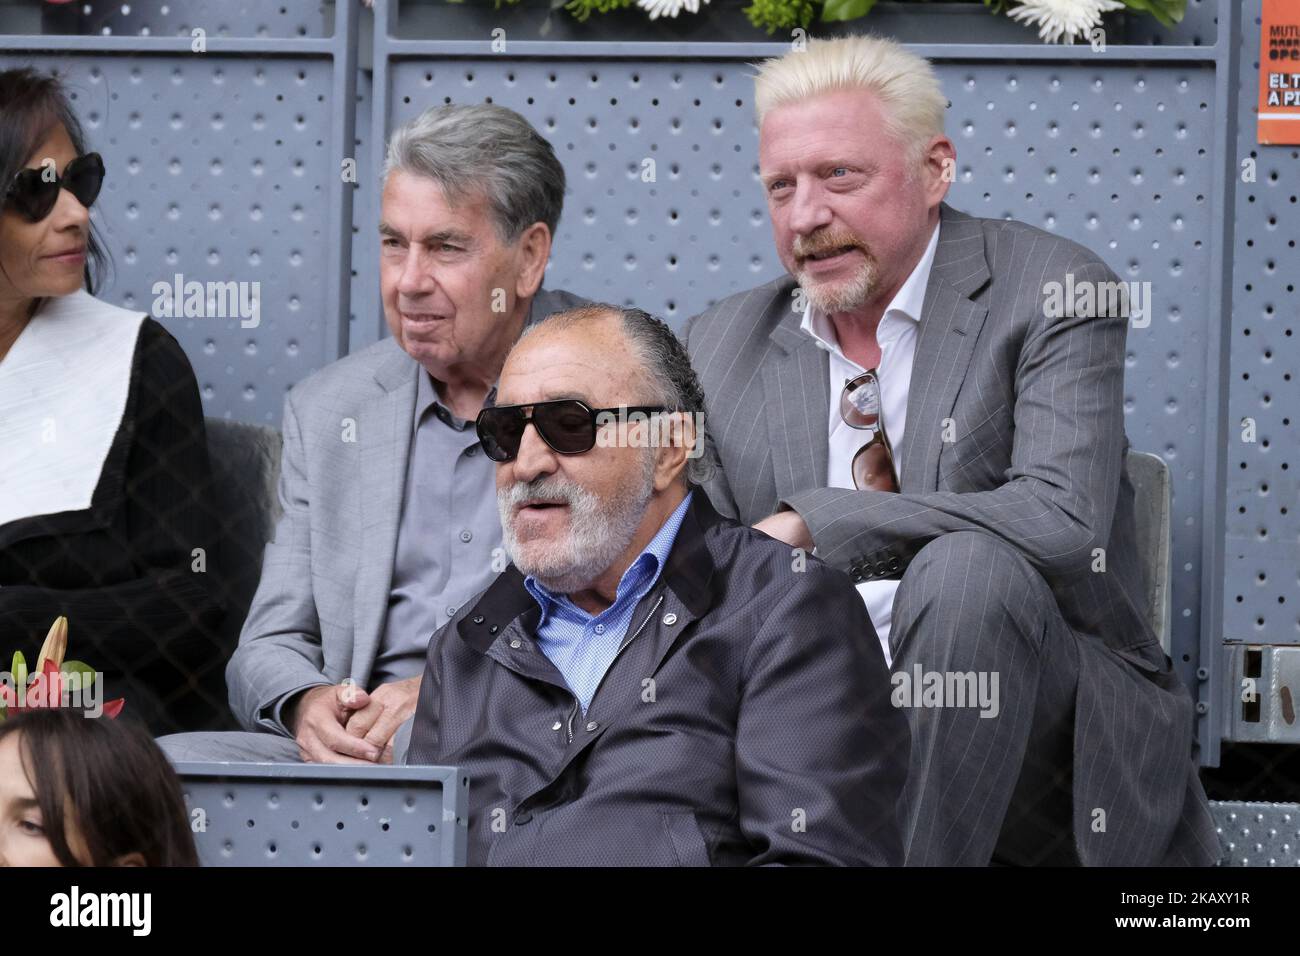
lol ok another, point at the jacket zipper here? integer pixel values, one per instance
(574, 710)
(638, 630)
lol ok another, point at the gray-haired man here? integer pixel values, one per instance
(650, 683)
(390, 519)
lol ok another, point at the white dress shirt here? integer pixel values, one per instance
(896, 336)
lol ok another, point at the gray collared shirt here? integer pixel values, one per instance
(446, 538)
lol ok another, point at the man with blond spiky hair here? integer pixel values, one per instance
(904, 406)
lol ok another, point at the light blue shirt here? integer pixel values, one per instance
(582, 646)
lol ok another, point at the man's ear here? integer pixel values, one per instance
(940, 169)
(131, 859)
(534, 253)
(674, 453)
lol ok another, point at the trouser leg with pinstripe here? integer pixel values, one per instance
(989, 779)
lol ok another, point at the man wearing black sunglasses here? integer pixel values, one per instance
(650, 683)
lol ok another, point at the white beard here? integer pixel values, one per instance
(599, 530)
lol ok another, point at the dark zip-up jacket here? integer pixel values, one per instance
(745, 720)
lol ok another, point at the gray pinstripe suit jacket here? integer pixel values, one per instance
(321, 605)
(1035, 408)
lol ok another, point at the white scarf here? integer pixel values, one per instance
(63, 391)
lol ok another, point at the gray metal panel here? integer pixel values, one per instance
(1262, 572)
(267, 814)
(1199, 27)
(1152, 505)
(1258, 834)
(1262, 693)
(219, 18)
(365, 315)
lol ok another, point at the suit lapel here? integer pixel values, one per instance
(950, 324)
(797, 398)
(384, 426)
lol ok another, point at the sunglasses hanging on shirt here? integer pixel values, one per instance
(34, 192)
(862, 407)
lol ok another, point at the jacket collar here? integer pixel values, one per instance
(797, 382)
(688, 572)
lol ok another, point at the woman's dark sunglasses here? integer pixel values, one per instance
(860, 407)
(568, 425)
(34, 192)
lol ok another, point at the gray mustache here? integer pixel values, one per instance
(548, 490)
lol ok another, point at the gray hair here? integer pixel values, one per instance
(665, 365)
(489, 149)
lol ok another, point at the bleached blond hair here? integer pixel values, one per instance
(905, 84)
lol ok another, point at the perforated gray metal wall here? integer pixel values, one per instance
(1263, 477)
(287, 19)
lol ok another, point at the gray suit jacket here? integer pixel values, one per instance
(319, 611)
(746, 719)
(1034, 408)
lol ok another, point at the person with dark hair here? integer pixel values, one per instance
(649, 683)
(103, 455)
(81, 791)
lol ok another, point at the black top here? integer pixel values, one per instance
(139, 605)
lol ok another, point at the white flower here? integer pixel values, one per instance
(1063, 19)
(668, 8)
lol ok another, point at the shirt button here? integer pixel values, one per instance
(451, 612)
(599, 628)
(466, 535)
(516, 643)
(557, 725)
(670, 619)
(592, 726)
(478, 618)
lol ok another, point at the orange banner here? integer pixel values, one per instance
(1279, 73)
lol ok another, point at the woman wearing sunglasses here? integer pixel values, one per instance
(103, 456)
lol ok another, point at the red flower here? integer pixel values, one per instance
(45, 690)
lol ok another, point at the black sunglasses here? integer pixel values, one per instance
(568, 425)
(34, 192)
